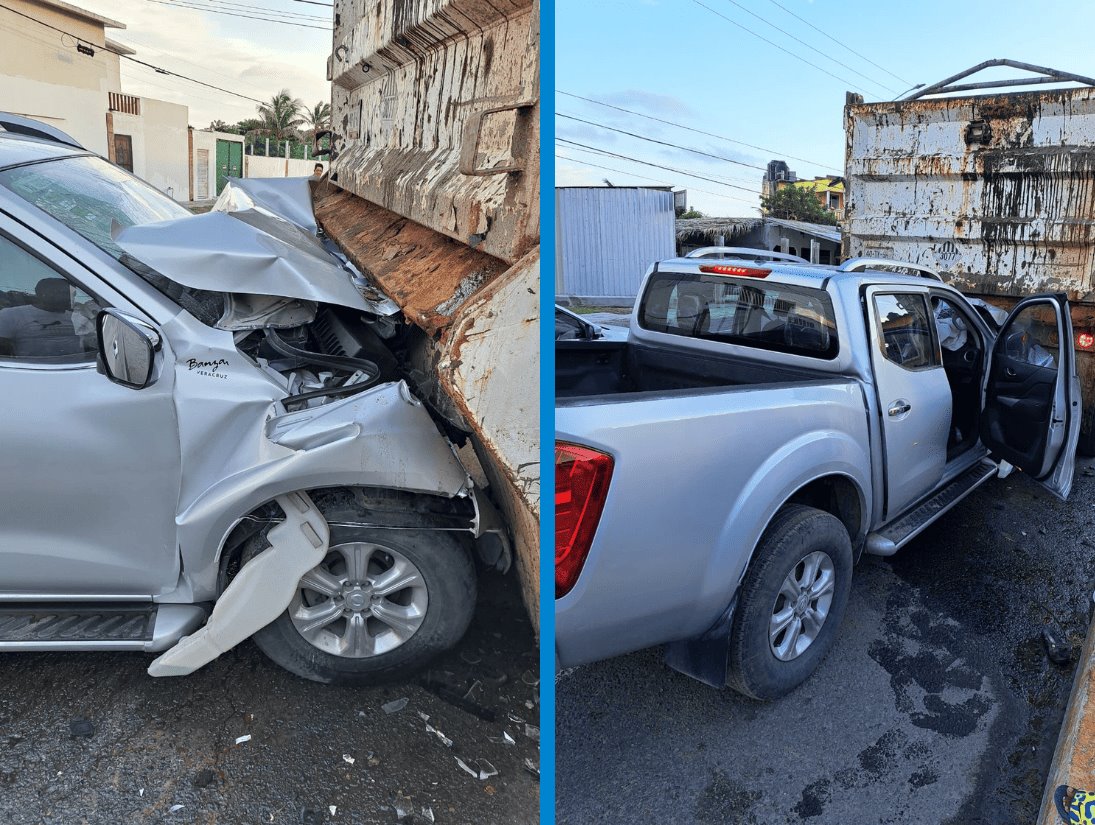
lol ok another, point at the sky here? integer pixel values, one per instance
(251, 57)
(686, 62)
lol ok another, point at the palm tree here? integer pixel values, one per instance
(317, 118)
(281, 116)
(219, 126)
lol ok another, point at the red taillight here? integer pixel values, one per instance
(1085, 340)
(744, 271)
(581, 485)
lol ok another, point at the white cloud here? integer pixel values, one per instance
(253, 58)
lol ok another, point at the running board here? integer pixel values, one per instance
(908, 526)
(142, 626)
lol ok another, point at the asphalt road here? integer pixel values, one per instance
(937, 704)
(155, 744)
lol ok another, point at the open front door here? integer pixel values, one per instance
(1031, 416)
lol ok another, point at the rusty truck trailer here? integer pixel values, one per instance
(433, 190)
(995, 191)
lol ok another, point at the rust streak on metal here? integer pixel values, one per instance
(428, 274)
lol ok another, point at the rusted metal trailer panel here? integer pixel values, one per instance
(996, 192)
(434, 192)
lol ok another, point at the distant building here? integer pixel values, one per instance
(776, 175)
(72, 82)
(828, 190)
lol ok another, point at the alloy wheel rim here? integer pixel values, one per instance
(362, 600)
(801, 606)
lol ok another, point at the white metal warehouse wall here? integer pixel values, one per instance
(607, 237)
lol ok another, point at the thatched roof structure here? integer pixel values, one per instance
(711, 228)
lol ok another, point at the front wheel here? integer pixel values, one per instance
(791, 603)
(381, 604)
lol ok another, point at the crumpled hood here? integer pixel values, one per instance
(289, 198)
(249, 251)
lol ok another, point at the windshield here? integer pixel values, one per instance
(89, 194)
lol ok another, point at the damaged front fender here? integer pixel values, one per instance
(382, 437)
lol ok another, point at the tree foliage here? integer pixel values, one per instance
(317, 118)
(797, 204)
(280, 116)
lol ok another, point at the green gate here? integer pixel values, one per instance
(229, 162)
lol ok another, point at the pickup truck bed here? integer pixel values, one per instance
(603, 368)
(679, 429)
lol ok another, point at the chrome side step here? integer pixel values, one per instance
(97, 626)
(910, 524)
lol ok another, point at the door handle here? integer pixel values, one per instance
(1009, 372)
(899, 408)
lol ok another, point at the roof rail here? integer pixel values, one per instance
(744, 252)
(860, 264)
(35, 128)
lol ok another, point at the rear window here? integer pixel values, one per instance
(746, 311)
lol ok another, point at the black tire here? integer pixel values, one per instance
(449, 574)
(796, 531)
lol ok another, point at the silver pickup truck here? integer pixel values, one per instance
(719, 473)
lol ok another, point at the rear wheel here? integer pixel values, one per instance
(791, 603)
(381, 604)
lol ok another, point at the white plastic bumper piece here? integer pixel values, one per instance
(259, 593)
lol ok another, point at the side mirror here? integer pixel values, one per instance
(127, 348)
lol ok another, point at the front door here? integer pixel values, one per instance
(89, 470)
(913, 393)
(1032, 397)
(229, 162)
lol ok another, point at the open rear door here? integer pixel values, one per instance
(1031, 415)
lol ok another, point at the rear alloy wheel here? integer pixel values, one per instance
(380, 605)
(791, 602)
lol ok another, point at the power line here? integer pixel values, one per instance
(314, 3)
(840, 43)
(717, 178)
(697, 131)
(810, 46)
(656, 165)
(213, 10)
(144, 47)
(776, 45)
(105, 48)
(319, 18)
(644, 177)
(663, 142)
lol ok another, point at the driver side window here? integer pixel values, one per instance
(44, 317)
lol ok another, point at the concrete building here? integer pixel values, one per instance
(829, 190)
(73, 81)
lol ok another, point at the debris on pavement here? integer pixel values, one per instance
(482, 770)
(444, 739)
(81, 727)
(530, 766)
(175, 808)
(349, 760)
(241, 739)
(395, 706)
(1057, 648)
(202, 779)
(532, 732)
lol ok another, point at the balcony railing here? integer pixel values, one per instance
(129, 104)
